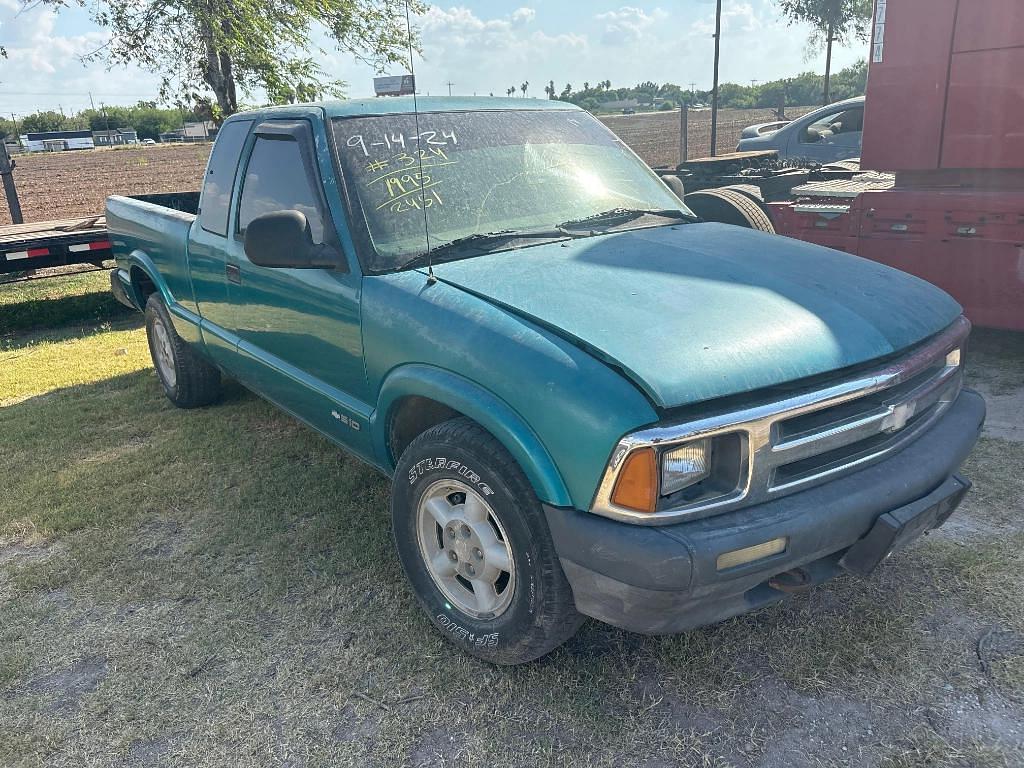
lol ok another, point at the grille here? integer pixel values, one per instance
(809, 438)
(831, 439)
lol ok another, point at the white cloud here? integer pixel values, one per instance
(523, 15)
(44, 69)
(737, 18)
(490, 53)
(628, 24)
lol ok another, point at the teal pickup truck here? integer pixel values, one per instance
(590, 403)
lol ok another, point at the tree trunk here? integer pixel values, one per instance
(828, 62)
(217, 68)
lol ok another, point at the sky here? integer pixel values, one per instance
(479, 46)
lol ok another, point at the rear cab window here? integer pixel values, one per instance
(215, 202)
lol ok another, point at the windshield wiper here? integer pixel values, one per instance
(617, 216)
(483, 242)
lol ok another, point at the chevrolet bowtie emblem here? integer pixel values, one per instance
(899, 416)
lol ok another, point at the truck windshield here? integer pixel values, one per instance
(488, 172)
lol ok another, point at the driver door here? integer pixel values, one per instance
(299, 335)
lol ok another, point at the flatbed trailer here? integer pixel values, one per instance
(56, 243)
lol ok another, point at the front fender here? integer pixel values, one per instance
(489, 411)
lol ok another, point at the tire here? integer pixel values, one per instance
(728, 206)
(189, 381)
(751, 191)
(516, 607)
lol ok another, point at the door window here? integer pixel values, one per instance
(276, 180)
(220, 176)
(847, 124)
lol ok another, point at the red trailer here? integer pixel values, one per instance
(944, 117)
(939, 191)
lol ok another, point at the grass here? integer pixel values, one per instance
(218, 587)
(50, 303)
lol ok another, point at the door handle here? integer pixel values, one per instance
(234, 273)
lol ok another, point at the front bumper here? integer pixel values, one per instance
(660, 580)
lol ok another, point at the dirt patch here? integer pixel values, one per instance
(1005, 412)
(68, 686)
(85, 178)
(655, 135)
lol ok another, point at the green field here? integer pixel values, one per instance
(218, 587)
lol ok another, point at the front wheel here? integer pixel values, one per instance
(476, 548)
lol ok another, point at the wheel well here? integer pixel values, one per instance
(143, 285)
(412, 416)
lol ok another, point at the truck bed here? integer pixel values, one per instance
(83, 240)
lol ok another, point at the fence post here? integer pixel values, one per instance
(684, 129)
(6, 168)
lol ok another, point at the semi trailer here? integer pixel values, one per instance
(939, 189)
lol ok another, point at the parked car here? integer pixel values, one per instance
(148, 142)
(826, 135)
(589, 403)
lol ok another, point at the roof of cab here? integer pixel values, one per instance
(393, 105)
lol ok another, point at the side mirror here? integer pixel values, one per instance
(283, 239)
(676, 185)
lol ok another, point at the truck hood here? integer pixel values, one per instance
(701, 311)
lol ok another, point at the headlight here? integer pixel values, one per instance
(683, 466)
(696, 471)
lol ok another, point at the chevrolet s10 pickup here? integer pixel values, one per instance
(590, 403)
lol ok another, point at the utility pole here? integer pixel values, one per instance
(684, 129)
(92, 104)
(449, 84)
(6, 169)
(714, 88)
(753, 83)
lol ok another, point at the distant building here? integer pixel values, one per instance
(620, 104)
(115, 137)
(57, 141)
(204, 130)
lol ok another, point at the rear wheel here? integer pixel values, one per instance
(189, 381)
(729, 206)
(475, 546)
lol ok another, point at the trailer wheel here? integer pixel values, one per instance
(729, 206)
(188, 380)
(748, 190)
(753, 193)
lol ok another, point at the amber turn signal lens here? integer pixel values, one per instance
(637, 486)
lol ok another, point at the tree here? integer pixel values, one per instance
(228, 46)
(549, 89)
(832, 21)
(38, 122)
(524, 87)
